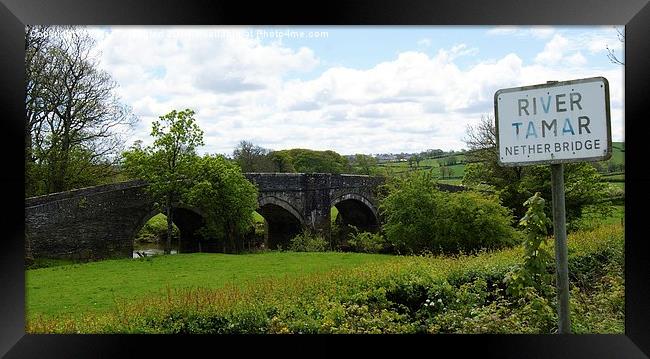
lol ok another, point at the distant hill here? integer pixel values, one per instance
(613, 170)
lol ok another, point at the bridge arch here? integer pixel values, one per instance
(356, 210)
(283, 221)
(188, 219)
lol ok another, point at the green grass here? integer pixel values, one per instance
(618, 157)
(257, 218)
(616, 217)
(75, 289)
(357, 298)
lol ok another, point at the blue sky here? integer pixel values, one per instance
(362, 89)
(362, 47)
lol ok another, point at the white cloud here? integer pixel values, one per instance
(538, 32)
(553, 50)
(240, 90)
(542, 32)
(576, 59)
(504, 30)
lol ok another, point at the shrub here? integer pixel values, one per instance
(367, 242)
(308, 242)
(419, 218)
(533, 273)
(155, 230)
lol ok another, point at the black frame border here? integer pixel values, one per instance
(634, 14)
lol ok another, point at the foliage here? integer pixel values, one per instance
(253, 158)
(419, 217)
(367, 242)
(583, 189)
(281, 162)
(533, 274)
(225, 196)
(600, 306)
(514, 185)
(72, 115)
(388, 294)
(168, 165)
(364, 164)
(155, 230)
(311, 161)
(308, 242)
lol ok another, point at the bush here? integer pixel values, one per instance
(308, 242)
(420, 218)
(155, 230)
(367, 242)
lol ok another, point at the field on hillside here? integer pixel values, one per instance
(617, 160)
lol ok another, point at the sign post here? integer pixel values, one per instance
(559, 231)
(555, 123)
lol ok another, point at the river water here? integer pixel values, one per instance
(152, 249)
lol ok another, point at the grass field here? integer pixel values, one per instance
(392, 168)
(318, 292)
(79, 288)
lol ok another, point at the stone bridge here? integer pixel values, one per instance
(102, 222)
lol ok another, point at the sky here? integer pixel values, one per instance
(351, 89)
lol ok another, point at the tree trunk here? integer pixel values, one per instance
(168, 245)
(231, 239)
(30, 187)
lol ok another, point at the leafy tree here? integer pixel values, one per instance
(514, 185)
(168, 164)
(419, 217)
(533, 272)
(226, 197)
(252, 158)
(70, 109)
(281, 162)
(364, 164)
(311, 161)
(444, 171)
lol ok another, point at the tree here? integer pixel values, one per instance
(515, 185)
(611, 54)
(364, 164)
(252, 158)
(167, 165)
(226, 197)
(417, 158)
(419, 217)
(281, 162)
(444, 171)
(310, 161)
(70, 108)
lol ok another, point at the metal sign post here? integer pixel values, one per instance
(555, 123)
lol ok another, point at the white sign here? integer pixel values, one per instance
(556, 122)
